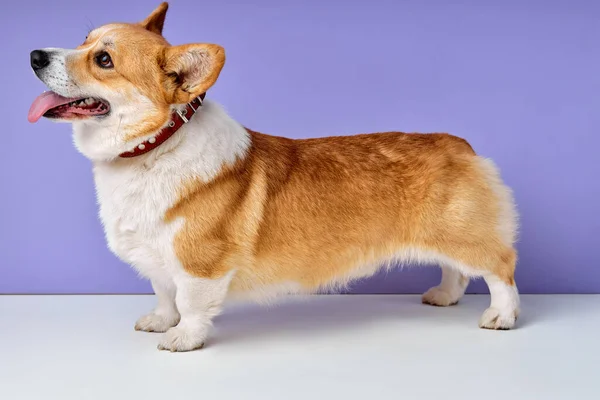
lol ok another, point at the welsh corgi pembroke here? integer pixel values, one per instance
(207, 209)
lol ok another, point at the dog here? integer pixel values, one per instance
(207, 209)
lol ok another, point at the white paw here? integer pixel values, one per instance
(439, 297)
(494, 318)
(156, 322)
(182, 339)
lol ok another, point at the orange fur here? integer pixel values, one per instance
(314, 211)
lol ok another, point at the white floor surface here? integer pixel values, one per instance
(322, 347)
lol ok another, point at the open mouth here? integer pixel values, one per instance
(52, 105)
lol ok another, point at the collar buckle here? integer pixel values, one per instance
(182, 115)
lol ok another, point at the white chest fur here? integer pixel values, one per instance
(134, 194)
(132, 205)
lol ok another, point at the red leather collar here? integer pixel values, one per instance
(178, 119)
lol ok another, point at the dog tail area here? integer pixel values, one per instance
(507, 218)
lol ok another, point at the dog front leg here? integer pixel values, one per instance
(198, 300)
(165, 315)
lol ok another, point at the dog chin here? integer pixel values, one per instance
(96, 141)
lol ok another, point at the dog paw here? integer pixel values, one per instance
(438, 297)
(494, 318)
(156, 323)
(182, 339)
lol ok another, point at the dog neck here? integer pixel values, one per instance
(200, 149)
(179, 118)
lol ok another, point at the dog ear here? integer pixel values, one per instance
(155, 21)
(191, 70)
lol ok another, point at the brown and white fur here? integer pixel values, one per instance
(219, 210)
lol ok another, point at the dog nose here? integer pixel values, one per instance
(39, 59)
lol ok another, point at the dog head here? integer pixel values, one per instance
(122, 84)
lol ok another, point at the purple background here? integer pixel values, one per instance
(519, 79)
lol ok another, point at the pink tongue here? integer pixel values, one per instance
(45, 102)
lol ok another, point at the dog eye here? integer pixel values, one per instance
(103, 60)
